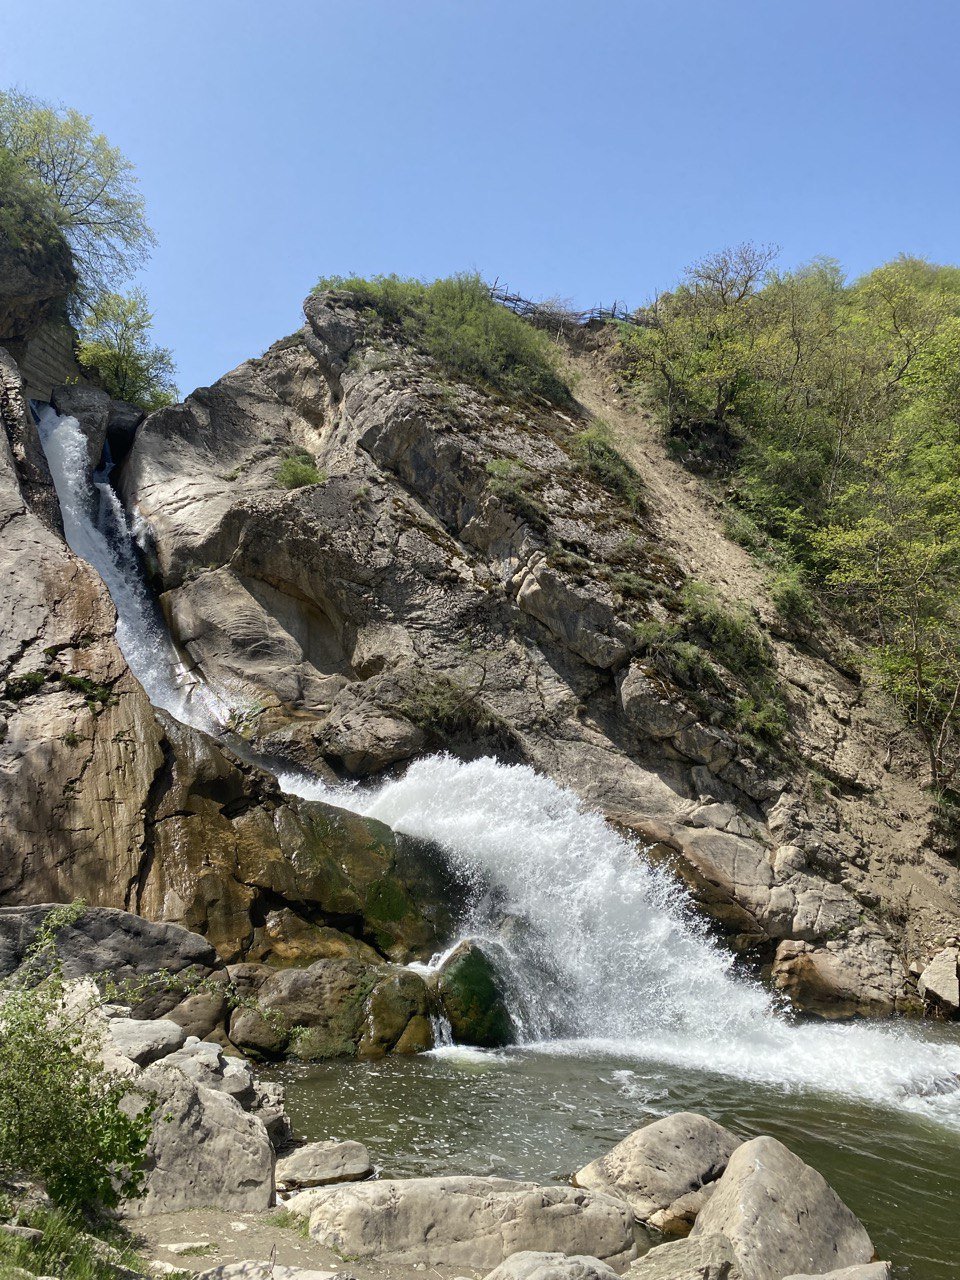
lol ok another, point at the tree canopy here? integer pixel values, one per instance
(115, 343)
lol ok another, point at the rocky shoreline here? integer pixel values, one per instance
(681, 1198)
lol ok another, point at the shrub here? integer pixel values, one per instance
(600, 460)
(456, 321)
(794, 603)
(680, 661)
(740, 528)
(61, 1116)
(297, 470)
(438, 704)
(728, 632)
(515, 485)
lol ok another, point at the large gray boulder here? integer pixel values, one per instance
(666, 1170)
(551, 1266)
(470, 1222)
(145, 1040)
(318, 1164)
(205, 1151)
(706, 1257)
(781, 1216)
(91, 408)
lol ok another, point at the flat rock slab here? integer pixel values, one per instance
(319, 1164)
(144, 1041)
(263, 1271)
(470, 1222)
(551, 1266)
(781, 1217)
(707, 1257)
(669, 1161)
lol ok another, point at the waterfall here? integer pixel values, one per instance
(602, 949)
(607, 952)
(96, 528)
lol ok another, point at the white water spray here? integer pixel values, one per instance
(96, 528)
(611, 959)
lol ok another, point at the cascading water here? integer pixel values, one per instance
(604, 952)
(96, 528)
(609, 955)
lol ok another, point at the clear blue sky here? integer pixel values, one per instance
(588, 149)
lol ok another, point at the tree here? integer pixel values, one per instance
(115, 343)
(90, 187)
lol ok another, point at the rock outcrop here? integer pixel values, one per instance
(666, 1171)
(780, 1216)
(471, 1222)
(458, 576)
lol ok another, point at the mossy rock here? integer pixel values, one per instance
(472, 998)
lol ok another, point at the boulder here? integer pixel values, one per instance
(551, 1266)
(144, 1041)
(333, 1008)
(781, 1216)
(317, 1164)
(869, 1271)
(939, 984)
(471, 1222)
(205, 1063)
(665, 1170)
(706, 1257)
(205, 1151)
(472, 999)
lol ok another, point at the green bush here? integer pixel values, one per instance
(740, 528)
(439, 705)
(727, 632)
(678, 659)
(297, 470)
(62, 1122)
(455, 321)
(792, 599)
(515, 486)
(600, 460)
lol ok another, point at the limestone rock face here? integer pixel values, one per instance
(869, 1271)
(781, 1216)
(204, 1151)
(91, 407)
(144, 1041)
(939, 983)
(666, 1170)
(472, 1222)
(408, 602)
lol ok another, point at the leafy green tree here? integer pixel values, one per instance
(62, 1118)
(90, 186)
(115, 344)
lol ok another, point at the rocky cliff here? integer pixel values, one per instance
(472, 572)
(449, 568)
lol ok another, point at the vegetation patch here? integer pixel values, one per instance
(597, 458)
(19, 687)
(438, 705)
(833, 407)
(96, 696)
(456, 322)
(516, 486)
(298, 470)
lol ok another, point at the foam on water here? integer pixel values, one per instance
(606, 954)
(96, 528)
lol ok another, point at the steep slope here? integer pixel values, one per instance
(474, 572)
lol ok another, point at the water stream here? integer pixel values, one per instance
(617, 989)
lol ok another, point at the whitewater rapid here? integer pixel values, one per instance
(608, 954)
(602, 951)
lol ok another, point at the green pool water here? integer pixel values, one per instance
(542, 1114)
